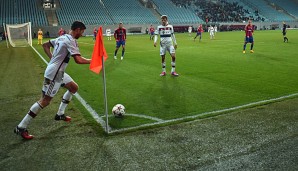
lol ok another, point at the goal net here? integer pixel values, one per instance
(19, 35)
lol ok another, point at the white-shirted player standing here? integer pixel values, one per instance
(189, 30)
(65, 46)
(167, 38)
(109, 33)
(211, 32)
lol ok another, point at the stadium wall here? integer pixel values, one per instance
(141, 28)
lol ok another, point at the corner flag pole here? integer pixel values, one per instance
(105, 93)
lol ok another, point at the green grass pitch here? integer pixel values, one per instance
(214, 75)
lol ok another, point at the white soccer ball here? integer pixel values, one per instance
(118, 110)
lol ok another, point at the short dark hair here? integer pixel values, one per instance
(78, 24)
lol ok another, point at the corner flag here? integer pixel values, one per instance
(99, 51)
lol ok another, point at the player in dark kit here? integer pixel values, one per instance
(120, 37)
(199, 32)
(249, 37)
(151, 29)
(284, 32)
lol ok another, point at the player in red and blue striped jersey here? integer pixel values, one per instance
(249, 29)
(120, 37)
(199, 32)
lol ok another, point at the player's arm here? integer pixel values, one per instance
(115, 34)
(124, 34)
(81, 60)
(47, 49)
(174, 38)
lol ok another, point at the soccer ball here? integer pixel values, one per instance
(118, 110)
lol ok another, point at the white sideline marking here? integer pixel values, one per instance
(212, 112)
(83, 102)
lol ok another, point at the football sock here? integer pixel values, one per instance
(34, 110)
(251, 46)
(173, 66)
(123, 50)
(116, 52)
(163, 67)
(244, 46)
(65, 101)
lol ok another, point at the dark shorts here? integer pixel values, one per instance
(199, 33)
(119, 43)
(152, 33)
(249, 39)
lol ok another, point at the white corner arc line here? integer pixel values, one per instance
(145, 116)
(263, 102)
(83, 102)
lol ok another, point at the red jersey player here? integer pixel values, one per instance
(199, 32)
(151, 30)
(120, 37)
(249, 29)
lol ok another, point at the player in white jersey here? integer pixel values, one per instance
(65, 46)
(109, 33)
(167, 38)
(189, 30)
(215, 30)
(211, 32)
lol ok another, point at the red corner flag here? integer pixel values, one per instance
(98, 51)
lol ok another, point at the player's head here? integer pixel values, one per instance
(249, 22)
(164, 20)
(120, 25)
(39, 29)
(77, 29)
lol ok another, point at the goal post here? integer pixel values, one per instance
(19, 35)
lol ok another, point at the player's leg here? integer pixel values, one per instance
(245, 42)
(251, 45)
(163, 61)
(195, 37)
(50, 88)
(173, 63)
(200, 36)
(116, 50)
(123, 50)
(72, 87)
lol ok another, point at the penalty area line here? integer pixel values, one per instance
(82, 101)
(249, 105)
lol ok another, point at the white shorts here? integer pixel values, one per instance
(51, 88)
(164, 49)
(108, 34)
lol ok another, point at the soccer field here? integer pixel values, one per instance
(214, 75)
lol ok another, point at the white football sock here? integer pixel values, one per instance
(163, 67)
(173, 66)
(34, 110)
(65, 100)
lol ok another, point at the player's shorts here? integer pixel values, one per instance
(249, 39)
(152, 33)
(165, 48)
(66, 79)
(108, 34)
(212, 33)
(119, 43)
(51, 87)
(199, 33)
(39, 37)
(284, 33)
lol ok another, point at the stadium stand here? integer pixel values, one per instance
(288, 6)
(268, 11)
(129, 12)
(176, 14)
(91, 12)
(21, 11)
